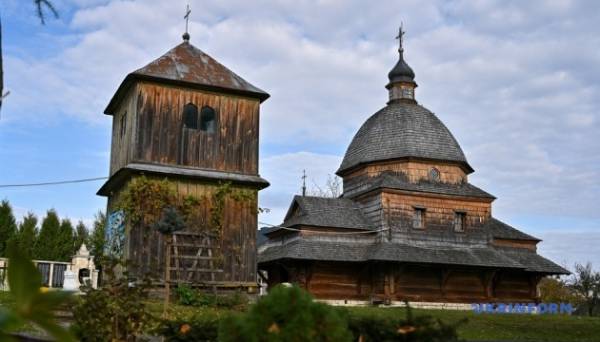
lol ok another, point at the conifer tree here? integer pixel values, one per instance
(81, 236)
(46, 247)
(65, 240)
(8, 226)
(27, 236)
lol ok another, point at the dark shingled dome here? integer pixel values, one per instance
(403, 130)
(401, 72)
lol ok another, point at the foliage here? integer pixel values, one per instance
(65, 240)
(198, 328)
(27, 235)
(170, 221)
(586, 283)
(97, 239)
(47, 240)
(192, 297)
(8, 226)
(146, 201)
(413, 328)
(557, 291)
(143, 200)
(30, 304)
(81, 236)
(115, 312)
(286, 314)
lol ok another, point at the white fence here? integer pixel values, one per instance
(53, 272)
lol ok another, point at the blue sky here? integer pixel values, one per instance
(516, 82)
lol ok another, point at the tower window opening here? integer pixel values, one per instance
(208, 119)
(123, 124)
(459, 221)
(190, 116)
(419, 218)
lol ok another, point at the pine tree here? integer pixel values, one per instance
(27, 236)
(46, 247)
(97, 239)
(8, 226)
(65, 240)
(81, 236)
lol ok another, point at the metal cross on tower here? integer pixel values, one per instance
(186, 35)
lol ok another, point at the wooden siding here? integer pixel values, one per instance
(414, 170)
(439, 212)
(161, 138)
(527, 244)
(145, 249)
(397, 282)
(121, 146)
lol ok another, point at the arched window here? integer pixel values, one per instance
(208, 119)
(190, 116)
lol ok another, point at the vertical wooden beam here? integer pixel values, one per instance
(489, 283)
(445, 274)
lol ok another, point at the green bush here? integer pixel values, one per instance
(115, 312)
(199, 328)
(420, 328)
(186, 295)
(191, 297)
(286, 314)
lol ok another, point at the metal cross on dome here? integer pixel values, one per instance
(400, 36)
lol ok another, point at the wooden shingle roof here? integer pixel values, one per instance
(188, 66)
(403, 130)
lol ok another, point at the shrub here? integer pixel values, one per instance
(420, 328)
(186, 295)
(286, 314)
(199, 328)
(115, 312)
(191, 297)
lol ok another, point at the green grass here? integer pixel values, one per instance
(509, 327)
(482, 327)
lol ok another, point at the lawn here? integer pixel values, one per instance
(479, 327)
(511, 327)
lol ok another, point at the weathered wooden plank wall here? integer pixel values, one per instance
(233, 147)
(377, 280)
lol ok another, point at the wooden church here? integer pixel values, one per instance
(187, 118)
(409, 225)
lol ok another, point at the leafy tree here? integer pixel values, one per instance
(586, 283)
(46, 248)
(8, 226)
(27, 236)
(97, 239)
(81, 235)
(65, 240)
(557, 291)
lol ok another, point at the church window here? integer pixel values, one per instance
(190, 116)
(419, 218)
(434, 174)
(208, 119)
(459, 221)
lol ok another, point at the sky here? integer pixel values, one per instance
(517, 83)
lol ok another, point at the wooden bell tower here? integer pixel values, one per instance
(187, 118)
